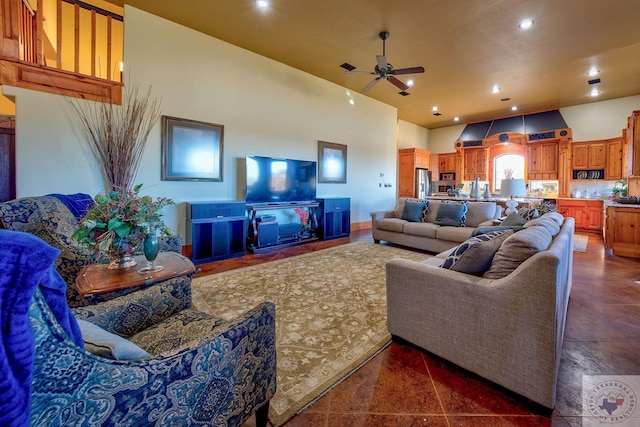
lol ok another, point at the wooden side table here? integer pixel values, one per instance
(96, 280)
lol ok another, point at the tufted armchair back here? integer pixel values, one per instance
(50, 219)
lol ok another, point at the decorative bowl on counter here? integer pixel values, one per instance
(631, 200)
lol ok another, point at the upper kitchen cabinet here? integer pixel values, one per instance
(475, 164)
(447, 162)
(613, 169)
(543, 161)
(588, 155)
(633, 142)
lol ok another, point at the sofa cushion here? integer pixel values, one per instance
(391, 224)
(423, 229)
(105, 344)
(514, 218)
(545, 221)
(454, 234)
(414, 211)
(451, 214)
(432, 211)
(490, 228)
(474, 255)
(516, 249)
(479, 212)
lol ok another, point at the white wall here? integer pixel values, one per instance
(412, 136)
(600, 120)
(267, 108)
(597, 120)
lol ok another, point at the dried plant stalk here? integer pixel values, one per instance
(118, 133)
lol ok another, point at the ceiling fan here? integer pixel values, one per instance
(383, 69)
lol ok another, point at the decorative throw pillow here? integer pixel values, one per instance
(450, 214)
(528, 213)
(514, 218)
(110, 346)
(414, 211)
(475, 254)
(549, 223)
(517, 249)
(465, 208)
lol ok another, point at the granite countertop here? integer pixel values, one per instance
(621, 205)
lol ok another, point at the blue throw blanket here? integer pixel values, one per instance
(26, 263)
(78, 203)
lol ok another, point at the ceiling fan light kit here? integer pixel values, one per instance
(384, 70)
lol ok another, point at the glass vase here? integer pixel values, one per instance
(150, 249)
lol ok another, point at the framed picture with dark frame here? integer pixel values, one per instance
(332, 162)
(191, 150)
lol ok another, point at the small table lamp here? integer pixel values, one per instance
(510, 188)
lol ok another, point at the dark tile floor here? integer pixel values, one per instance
(406, 386)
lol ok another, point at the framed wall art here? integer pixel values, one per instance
(191, 150)
(332, 162)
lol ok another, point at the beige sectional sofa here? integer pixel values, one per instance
(505, 324)
(425, 235)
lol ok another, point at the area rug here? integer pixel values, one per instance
(580, 242)
(330, 314)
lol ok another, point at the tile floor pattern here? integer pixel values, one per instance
(406, 386)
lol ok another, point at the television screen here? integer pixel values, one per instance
(272, 180)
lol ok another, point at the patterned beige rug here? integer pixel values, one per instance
(330, 314)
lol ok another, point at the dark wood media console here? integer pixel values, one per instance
(265, 233)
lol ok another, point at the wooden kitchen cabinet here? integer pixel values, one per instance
(613, 168)
(475, 164)
(447, 163)
(622, 230)
(588, 214)
(588, 155)
(633, 142)
(409, 159)
(543, 161)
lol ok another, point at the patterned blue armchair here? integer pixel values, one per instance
(51, 219)
(202, 371)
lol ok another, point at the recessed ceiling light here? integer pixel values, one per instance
(525, 24)
(514, 108)
(352, 102)
(495, 89)
(434, 108)
(263, 4)
(455, 119)
(594, 92)
(593, 72)
(409, 82)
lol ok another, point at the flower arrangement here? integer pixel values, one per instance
(304, 218)
(119, 221)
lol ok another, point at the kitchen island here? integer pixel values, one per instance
(622, 229)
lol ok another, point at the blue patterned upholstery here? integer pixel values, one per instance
(50, 219)
(216, 373)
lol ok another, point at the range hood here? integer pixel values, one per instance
(536, 126)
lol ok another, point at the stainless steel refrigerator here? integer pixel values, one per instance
(423, 183)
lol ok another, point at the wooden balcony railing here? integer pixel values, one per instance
(67, 47)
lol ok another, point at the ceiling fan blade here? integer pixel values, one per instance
(397, 83)
(382, 62)
(371, 84)
(410, 70)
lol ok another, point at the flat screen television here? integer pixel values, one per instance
(271, 180)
